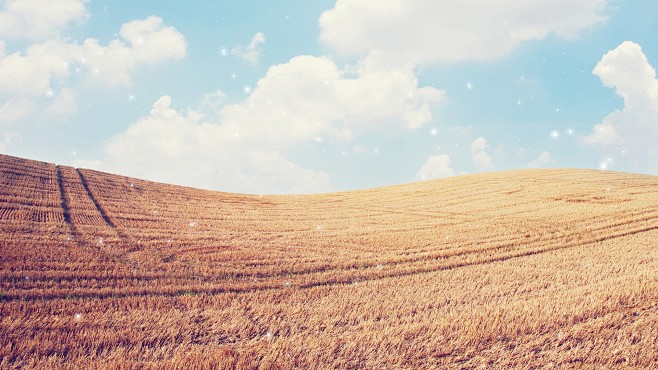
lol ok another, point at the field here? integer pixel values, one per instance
(519, 269)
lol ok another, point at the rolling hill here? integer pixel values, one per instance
(547, 268)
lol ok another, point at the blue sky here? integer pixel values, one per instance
(315, 96)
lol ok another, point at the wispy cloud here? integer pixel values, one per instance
(253, 52)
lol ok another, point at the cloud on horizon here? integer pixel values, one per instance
(543, 160)
(631, 133)
(241, 146)
(436, 167)
(481, 159)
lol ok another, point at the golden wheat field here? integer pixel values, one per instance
(519, 269)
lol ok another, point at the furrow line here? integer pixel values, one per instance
(65, 204)
(342, 280)
(99, 208)
(414, 256)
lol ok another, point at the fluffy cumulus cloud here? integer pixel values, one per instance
(311, 97)
(630, 132)
(145, 42)
(436, 166)
(241, 146)
(252, 53)
(43, 69)
(481, 159)
(32, 72)
(428, 31)
(38, 19)
(180, 148)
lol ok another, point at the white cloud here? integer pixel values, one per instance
(7, 139)
(481, 159)
(310, 97)
(241, 147)
(213, 102)
(44, 68)
(632, 130)
(543, 160)
(14, 109)
(252, 53)
(38, 19)
(436, 166)
(171, 147)
(428, 31)
(33, 72)
(146, 42)
(63, 103)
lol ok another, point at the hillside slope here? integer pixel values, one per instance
(512, 269)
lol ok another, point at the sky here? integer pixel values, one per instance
(290, 96)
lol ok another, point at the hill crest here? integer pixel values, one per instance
(488, 268)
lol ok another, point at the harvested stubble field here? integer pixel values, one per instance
(520, 269)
